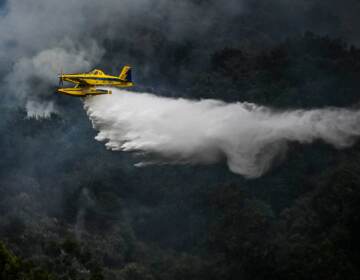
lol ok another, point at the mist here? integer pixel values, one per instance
(40, 38)
(225, 92)
(179, 131)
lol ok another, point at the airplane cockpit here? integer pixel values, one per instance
(97, 72)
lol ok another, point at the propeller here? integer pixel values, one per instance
(61, 79)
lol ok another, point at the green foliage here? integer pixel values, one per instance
(134, 271)
(308, 71)
(13, 268)
(72, 210)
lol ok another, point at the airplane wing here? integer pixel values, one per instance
(79, 82)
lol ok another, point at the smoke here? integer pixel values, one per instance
(32, 79)
(39, 110)
(42, 37)
(180, 131)
(85, 202)
(39, 37)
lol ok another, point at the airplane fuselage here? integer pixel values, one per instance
(96, 80)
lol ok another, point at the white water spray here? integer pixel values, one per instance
(249, 137)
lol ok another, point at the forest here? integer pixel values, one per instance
(70, 209)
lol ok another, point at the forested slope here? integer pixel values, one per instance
(79, 211)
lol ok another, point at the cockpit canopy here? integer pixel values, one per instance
(97, 72)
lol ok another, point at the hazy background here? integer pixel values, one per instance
(39, 39)
(79, 211)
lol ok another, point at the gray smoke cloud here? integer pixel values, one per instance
(32, 79)
(180, 131)
(41, 37)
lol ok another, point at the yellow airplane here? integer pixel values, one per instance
(88, 83)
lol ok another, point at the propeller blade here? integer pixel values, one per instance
(61, 79)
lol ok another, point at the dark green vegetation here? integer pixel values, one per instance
(72, 210)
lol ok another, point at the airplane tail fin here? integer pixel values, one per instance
(125, 74)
